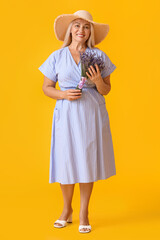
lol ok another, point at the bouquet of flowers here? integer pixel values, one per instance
(87, 59)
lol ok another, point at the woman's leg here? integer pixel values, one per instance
(85, 194)
(67, 191)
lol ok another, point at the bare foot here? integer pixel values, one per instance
(83, 217)
(64, 216)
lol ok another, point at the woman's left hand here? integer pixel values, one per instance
(94, 76)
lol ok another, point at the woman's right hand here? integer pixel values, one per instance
(72, 94)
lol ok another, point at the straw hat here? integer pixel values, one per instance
(62, 22)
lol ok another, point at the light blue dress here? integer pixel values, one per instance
(81, 148)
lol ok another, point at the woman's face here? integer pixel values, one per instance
(80, 30)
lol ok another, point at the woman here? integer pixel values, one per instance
(81, 142)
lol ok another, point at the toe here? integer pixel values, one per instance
(85, 229)
(58, 224)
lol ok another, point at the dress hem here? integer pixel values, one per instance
(85, 181)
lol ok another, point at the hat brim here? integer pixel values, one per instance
(62, 22)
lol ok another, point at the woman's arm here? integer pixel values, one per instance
(103, 85)
(50, 90)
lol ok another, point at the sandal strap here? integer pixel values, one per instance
(84, 226)
(61, 221)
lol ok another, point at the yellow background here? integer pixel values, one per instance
(125, 206)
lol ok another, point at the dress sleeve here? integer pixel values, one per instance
(109, 66)
(48, 68)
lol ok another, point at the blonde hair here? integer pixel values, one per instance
(68, 38)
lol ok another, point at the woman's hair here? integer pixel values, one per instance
(68, 37)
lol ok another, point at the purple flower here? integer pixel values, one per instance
(87, 59)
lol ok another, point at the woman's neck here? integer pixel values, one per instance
(77, 46)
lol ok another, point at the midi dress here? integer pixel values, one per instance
(81, 149)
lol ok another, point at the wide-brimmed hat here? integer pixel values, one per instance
(62, 22)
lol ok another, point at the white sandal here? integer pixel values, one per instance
(63, 222)
(84, 226)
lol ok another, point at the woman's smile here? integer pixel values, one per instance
(80, 35)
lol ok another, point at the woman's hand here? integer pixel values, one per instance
(72, 94)
(94, 76)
